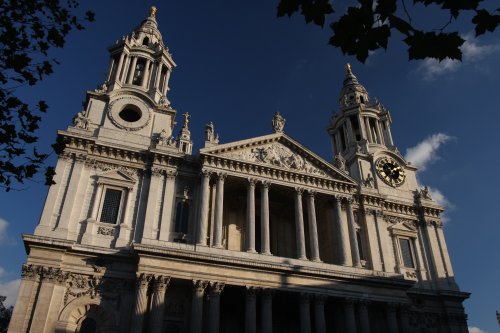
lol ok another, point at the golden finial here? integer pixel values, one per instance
(186, 120)
(348, 68)
(152, 13)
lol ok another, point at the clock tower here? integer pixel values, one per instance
(363, 146)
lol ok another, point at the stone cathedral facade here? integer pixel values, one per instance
(139, 234)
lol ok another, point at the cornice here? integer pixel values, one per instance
(308, 269)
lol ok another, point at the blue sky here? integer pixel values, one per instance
(238, 64)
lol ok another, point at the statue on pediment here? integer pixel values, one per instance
(278, 123)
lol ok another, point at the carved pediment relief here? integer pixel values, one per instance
(279, 151)
(276, 154)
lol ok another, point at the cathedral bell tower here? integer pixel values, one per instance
(131, 107)
(362, 142)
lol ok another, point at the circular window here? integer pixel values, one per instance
(130, 113)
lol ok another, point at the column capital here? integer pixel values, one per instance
(320, 298)
(299, 190)
(251, 291)
(143, 279)
(216, 288)
(268, 292)
(349, 301)
(221, 176)
(306, 297)
(170, 174)
(391, 306)
(251, 182)
(199, 285)
(161, 282)
(206, 173)
(265, 184)
(311, 193)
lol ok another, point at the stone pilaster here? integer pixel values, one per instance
(168, 202)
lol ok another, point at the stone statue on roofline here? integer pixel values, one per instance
(278, 123)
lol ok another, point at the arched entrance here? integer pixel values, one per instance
(87, 315)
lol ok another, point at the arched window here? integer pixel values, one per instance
(182, 217)
(145, 41)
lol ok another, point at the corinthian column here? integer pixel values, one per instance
(250, 231)
(305, 313)
(299, 225)
(356, 261)
(219, 206)
(267, 311)
(264, 218)
(313, 230)
(250, 310)
(364, 318)
(196, 320)
(350, 319)
(342, 232)
(214, 310)
(392, 320)
(203, 219)
(140, 303)
(319, 313)
(158, 309)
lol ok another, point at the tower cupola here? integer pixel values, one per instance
(352, 93)
(360, 125)
(142, 62)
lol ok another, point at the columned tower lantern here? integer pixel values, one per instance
(142, 61)
(359, 122)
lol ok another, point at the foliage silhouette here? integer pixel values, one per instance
(368, 24)
(28, 31)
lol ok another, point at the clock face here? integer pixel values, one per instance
(390, 171)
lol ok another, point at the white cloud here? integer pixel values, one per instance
(10, 290)
(475, 330)
(4, 238)
(472, 52)
(421, 156)
(425, 152)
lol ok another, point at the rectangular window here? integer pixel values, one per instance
(406, 252)
(111, 206)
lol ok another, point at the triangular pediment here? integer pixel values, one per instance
(278, 151)
(117, 175)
